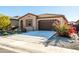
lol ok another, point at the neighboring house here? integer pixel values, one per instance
(14, 21)
(77, 25)
(72, 22)
(40, 22)
(77, 22)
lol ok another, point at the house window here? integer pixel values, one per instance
(29, 22)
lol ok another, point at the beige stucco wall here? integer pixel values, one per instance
(61, 19)
(29, 17)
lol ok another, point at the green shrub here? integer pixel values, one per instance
(5, 33)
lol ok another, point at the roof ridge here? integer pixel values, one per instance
(27, 14)
(50, 14)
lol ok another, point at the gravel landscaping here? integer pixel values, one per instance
(62, 42)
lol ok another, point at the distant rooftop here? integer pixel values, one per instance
(15, 17)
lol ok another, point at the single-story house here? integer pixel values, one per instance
(40, 22)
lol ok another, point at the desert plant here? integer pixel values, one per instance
(62, 29)
(5, 33)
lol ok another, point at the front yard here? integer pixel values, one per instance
(26, 43)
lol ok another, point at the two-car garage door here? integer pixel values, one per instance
(45, 25)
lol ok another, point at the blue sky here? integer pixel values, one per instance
(71, 12)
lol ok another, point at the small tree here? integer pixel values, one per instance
(5, 23)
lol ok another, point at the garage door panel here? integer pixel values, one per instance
(45, 24)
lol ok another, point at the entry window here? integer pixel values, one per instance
(29, 22)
